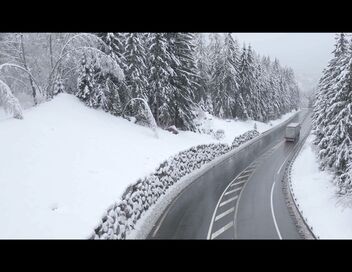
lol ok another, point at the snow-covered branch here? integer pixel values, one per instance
(149, 114)
(15, 79)
(2, 66)
(9, 101)
(86, 36)
(103, 60)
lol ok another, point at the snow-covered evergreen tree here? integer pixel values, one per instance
(225, 88)
(326, 89)
(160, 88)
(100, 82)
(339, 114)
(216, 84)
(117, 94)
(214, 48)
(260, 89)
(136, 69)
(332, 116)
(293, 90)
(116, 44)
(184, 80)
(247, 83)
(59, 86)
(86, 82)
(92, 84)
(203, 71)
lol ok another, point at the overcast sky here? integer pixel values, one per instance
(306, 53)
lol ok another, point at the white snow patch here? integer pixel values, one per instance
(64, 164)
(330, 217)
(234, 128)
(3, 114)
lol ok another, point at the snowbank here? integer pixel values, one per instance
(234, 128)
(64, 164)
(330, 217)
(123, 216)
(3, 114)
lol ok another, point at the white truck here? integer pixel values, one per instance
(292, 132)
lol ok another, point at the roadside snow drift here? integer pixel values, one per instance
(64, 164)
(330, 217)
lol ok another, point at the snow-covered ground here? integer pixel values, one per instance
(64, 164)
(330, 217)
(234, 128)
(3, 114)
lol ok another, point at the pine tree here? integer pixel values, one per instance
(224, 81)
(246, 83)
(113, 92)
(184, 80)
(214, 48)
(332, 118)
(264, 83)
(277, 87)
(274, 90)
(85, 81)
(203, 67)
(59, 86)
(254, 103)
(136, 68)
(216, 83)
(160, 88)
(325, 90)
(92, 84)
(289, 90)
(115, 47)
(262, 102)
(339, 150)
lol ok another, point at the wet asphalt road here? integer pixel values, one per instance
(237, 199)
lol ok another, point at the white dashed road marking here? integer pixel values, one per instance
(224, 228)
(225, 213)
(237, 183)
(242, 177)
(233, 191)
(248, 171)
(228, 201)
(239, 180)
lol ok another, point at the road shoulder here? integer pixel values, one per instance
(302, 227)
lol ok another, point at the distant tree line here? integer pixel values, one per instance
(178, 72)
(175, 73)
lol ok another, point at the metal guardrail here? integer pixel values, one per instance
(256, 145)
(304, 229)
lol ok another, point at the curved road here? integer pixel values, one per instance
(242, 200)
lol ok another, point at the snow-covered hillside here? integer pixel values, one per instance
(64, 164)
(315, 193)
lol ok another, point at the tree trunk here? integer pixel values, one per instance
(34, 92)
